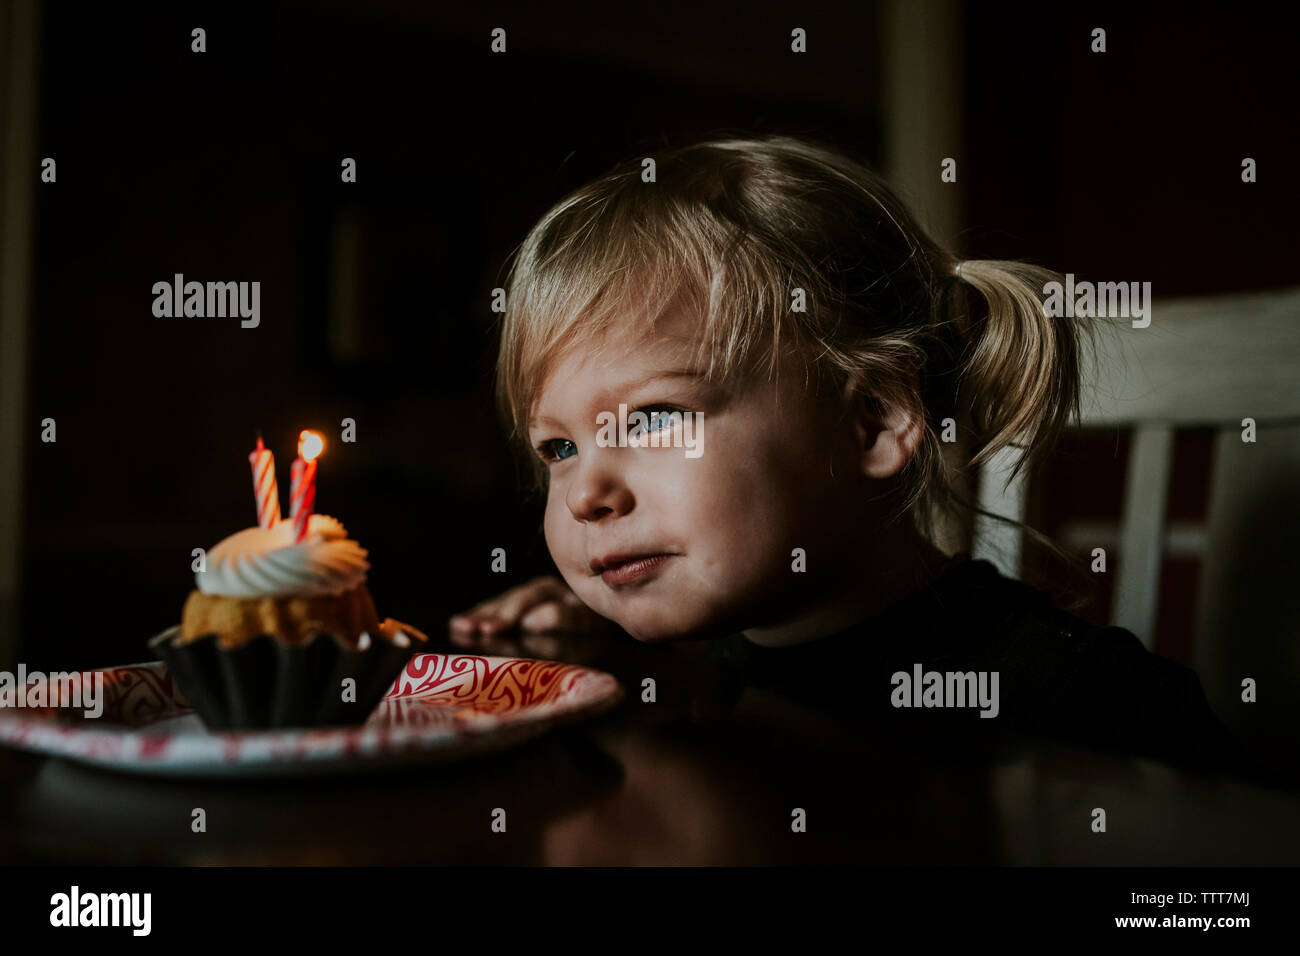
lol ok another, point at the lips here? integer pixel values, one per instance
(625, 568)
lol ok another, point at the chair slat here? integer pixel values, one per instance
(1142, 530)
(1204, 361)
(998, 543)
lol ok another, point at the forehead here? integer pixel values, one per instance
(627, 350)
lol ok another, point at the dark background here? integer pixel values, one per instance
(225, 166)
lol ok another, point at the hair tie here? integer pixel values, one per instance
(958, 270)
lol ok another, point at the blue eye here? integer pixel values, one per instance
(657, 420)
(664, 417)
(546, 450)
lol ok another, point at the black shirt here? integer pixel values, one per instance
(1059, 676)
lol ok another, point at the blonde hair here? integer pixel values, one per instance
(731, 227)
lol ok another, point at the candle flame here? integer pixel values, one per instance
(310, 445)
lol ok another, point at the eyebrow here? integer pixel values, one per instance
(644, 380)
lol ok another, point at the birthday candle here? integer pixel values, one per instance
(295, 483)
(303, 475)
(265, 491)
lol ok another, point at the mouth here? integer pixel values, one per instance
(615, 569)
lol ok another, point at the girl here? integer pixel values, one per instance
(805, 361)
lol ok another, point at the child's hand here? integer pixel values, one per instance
(543, 604)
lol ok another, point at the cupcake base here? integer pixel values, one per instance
(294, 619)
(266, 683)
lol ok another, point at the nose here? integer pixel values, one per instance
(598, 491)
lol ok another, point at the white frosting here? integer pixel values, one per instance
(265, 562)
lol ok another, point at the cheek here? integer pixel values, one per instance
(733, 512)
(564, 540)
(558, 528)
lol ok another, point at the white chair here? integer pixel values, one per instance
(1201, 362)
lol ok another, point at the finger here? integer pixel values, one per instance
(461, 623)
(493, 624)
(491, 606)
(544, 617)
(506, 608)
(484, 611)
(515, 603)
(475, 622)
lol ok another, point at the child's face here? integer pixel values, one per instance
(770, 478)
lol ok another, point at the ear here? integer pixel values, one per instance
(886, 435)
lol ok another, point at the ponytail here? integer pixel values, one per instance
(1021, 378)
(1019, 381)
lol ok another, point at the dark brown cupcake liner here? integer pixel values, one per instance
(266, 683)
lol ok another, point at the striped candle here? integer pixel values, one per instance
(302, 497)
(306, 501)
(265, 491)
(295, 486)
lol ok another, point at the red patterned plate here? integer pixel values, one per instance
(443, 706)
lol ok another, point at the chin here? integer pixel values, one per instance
(661, 632)
(653, 618)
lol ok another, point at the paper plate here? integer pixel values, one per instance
(441, 707)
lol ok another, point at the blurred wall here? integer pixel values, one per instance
(225, 166)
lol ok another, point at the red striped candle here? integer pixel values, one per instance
(295, 484)
(265, 490)
(302, 500)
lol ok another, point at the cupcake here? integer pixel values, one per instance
(283, 633)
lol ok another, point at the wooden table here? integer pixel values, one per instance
(698, 777)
